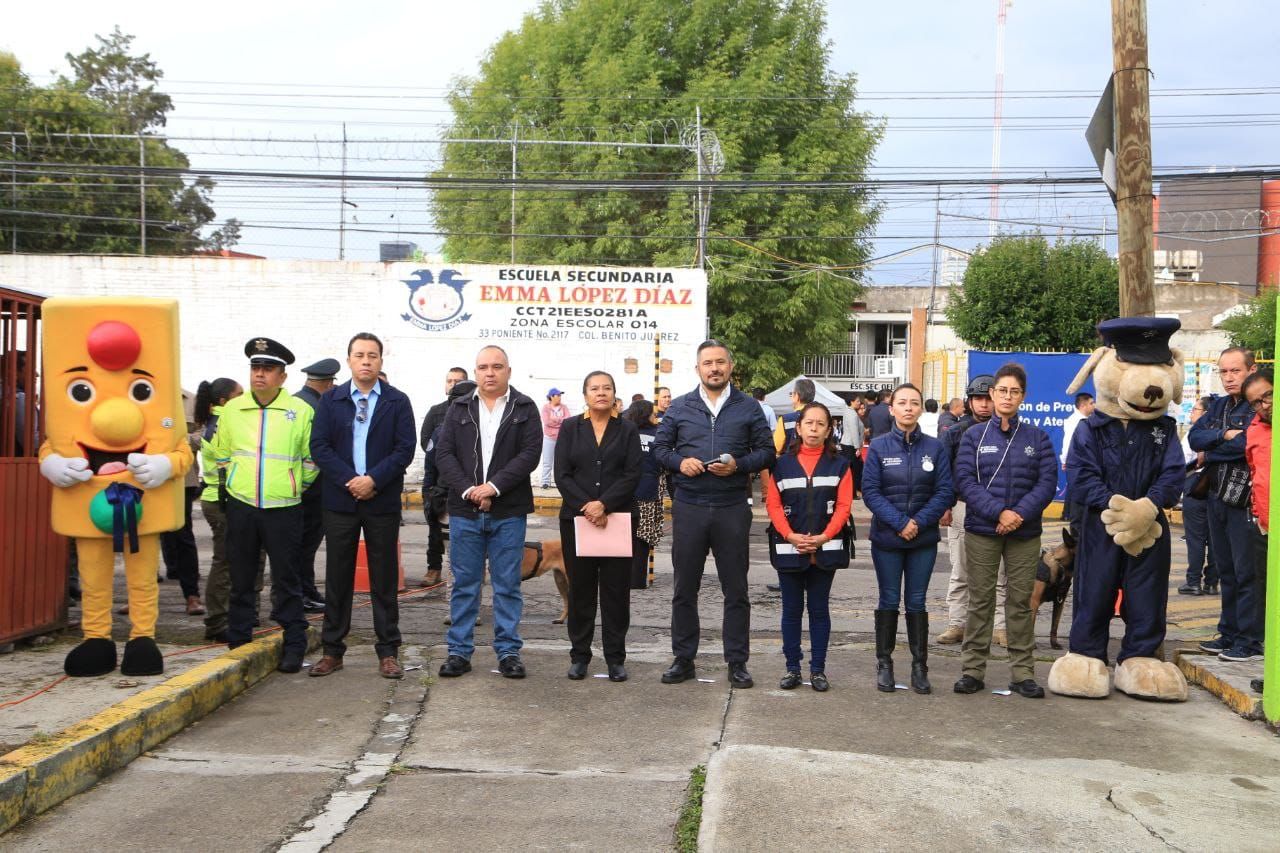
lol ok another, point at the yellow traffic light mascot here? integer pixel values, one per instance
(116, 452)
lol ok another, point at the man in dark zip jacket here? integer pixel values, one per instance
(489, 445)
(712, 438)
(1220, 433)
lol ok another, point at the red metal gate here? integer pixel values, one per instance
(33, 559)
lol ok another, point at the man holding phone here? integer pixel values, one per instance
(712, 438)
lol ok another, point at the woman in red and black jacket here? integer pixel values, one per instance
(808, 495)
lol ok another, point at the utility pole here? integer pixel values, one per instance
(342, 200)
(142, 194)
(937, 252)
(515, 142)
(702, 219)
(1131, 84)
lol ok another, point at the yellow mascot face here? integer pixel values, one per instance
(111, 388)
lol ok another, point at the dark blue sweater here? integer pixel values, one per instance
(906, 478)
(998, 469)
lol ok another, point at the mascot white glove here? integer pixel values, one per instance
(64, 471)
(1132, 524)
(150, 470)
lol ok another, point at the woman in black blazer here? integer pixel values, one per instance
(597, 467)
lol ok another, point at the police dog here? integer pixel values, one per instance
(542, 557)
(1053, 581)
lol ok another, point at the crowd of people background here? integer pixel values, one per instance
(281, 472)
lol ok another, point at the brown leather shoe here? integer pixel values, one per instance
(195, 607)
(431, 578)
(325, 666)
(390, 668)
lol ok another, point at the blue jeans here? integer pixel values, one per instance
(471, 540)
(815, 584)
(1230, 541)
(915, 566)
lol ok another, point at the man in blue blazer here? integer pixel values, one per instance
(362, 438)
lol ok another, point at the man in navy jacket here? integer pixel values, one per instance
(1220, 433)
(362, 439)
(712, 438)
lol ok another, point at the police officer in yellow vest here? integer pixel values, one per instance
(264, 440)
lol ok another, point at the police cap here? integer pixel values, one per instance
(1140, 340)
(980, 385)
(265, 351)
(325, 368)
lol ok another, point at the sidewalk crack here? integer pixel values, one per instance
(1137, 820)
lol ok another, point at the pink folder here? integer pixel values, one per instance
(612, 540)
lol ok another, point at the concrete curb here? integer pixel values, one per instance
(38, 776)
(1193, 665)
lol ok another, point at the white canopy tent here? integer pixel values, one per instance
(779, 399)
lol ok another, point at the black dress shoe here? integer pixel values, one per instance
(791, 680)
(739, 677)
(577, 670)
(290, 662)
(454, 666)
(1027, 688)
(617, 672)
(773, 587)
(1211, 589)
(681, 669)
(312, 605)
(1190, 589)
(819, 681)
(968, 684)
(512, 667)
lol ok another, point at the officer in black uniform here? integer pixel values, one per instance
(320, 378)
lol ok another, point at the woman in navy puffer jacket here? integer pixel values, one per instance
(906, 483)
(1006, 474)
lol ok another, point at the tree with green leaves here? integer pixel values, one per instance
(782, 264)
(71, 192)
(1023, 293)
(1254, 326)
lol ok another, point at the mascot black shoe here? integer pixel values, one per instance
(93, 657)
(141, 657)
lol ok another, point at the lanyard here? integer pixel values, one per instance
(1000, 464)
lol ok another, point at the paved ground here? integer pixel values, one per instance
(481, 762)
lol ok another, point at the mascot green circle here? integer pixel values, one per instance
(101, 513)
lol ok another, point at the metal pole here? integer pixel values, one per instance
(702, 221)
(515, 139)
(142, 193)
(1133, 157)
(13, 178)
(342, 200)
(937, 253)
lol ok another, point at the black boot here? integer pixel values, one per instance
(918, 642)
(886, 638)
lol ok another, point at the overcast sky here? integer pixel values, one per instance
(937, 46)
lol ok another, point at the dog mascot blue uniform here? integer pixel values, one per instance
(1125, 466)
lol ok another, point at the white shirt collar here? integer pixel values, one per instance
(716, 406)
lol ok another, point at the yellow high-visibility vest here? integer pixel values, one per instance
(266, 450)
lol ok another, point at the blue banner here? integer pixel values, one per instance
(1047, 403)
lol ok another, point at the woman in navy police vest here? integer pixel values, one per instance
(906, 484)
(809, 495)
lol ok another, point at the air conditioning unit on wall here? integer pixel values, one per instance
(888, 367)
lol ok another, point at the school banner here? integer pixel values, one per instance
(1047, 403)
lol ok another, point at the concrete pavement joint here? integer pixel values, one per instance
(367, 773)
(39, 775)
(1124, 811)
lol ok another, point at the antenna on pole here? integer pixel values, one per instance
(1002, 7)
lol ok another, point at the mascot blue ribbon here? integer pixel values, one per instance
(124, 500)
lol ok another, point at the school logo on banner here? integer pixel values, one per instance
(436, 304)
